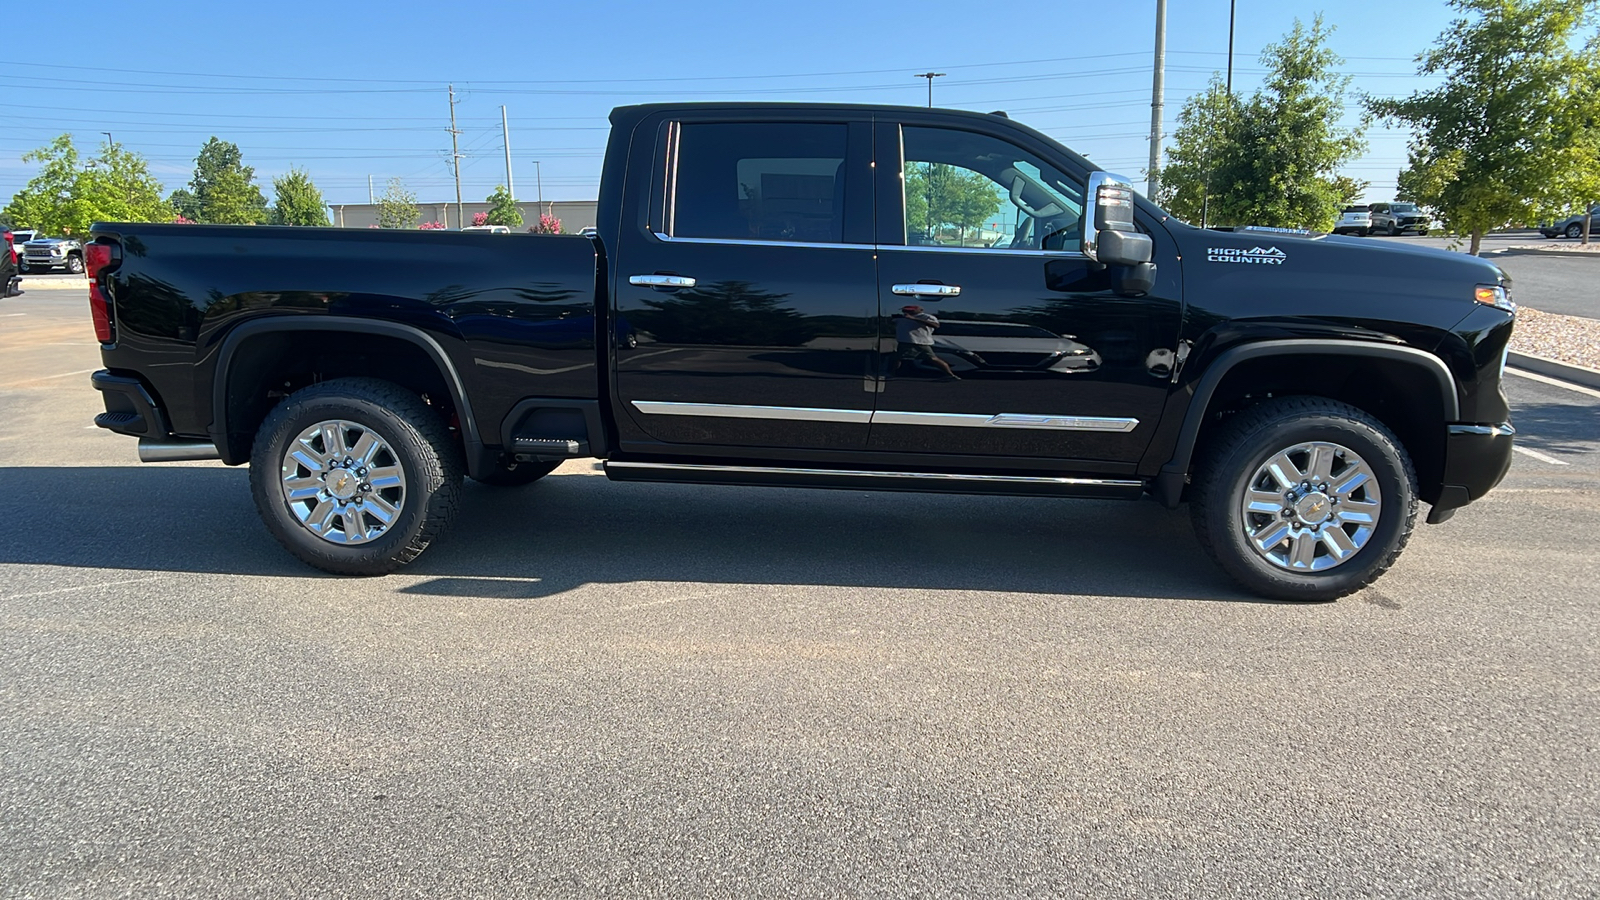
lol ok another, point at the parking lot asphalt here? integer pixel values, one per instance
(593, 689)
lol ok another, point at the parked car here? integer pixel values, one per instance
(1572, 226)
(1395, 219)
(48, 254)
(1305, 396)
(1354, 220)
(488, 229)
(19, 237)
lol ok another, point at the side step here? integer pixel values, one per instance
(859, 480)
(537, 449)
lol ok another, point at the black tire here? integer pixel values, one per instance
(1574, 231)
(1231, 459)
(22, 266)
(421, 446)
(75, 265)
(510, 473)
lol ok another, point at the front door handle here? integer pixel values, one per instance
(662, 281)
(928, 290)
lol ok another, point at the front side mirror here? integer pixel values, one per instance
(1109, 234)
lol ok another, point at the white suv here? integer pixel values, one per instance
(1354, 220)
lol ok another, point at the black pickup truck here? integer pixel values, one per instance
(867, 297)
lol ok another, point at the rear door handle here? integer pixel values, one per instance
(662, 281)
(928, 290)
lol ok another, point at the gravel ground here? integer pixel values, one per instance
(1568, 339)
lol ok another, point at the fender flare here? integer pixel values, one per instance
(278, 324)
(1169, 483)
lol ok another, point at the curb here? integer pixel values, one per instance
(1550, 368)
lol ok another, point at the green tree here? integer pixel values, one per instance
(958, 198)
(397, 207)
(117, 186)
(225, 188)
(46, 202)
(502, 209)
(69, 194)
(1272, 159)
(297, 200)
(184, 204)
(1509, 136)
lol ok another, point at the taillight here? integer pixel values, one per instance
(11, 247)
(100, 311)
(97, 257)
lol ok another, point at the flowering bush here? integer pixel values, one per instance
(181, 220)
(431, 226)
(480, 218)
(548, 224)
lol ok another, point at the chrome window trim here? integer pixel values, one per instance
(862, 473)
(740, 242)
(924, 248)
(890, 417)
(738, 411)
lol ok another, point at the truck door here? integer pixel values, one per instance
(749, 288)
(999, 336)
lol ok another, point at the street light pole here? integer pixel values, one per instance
(108, 138)
(930, 76)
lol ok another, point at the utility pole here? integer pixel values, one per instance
(455, 156)
(930, 76)
(538, 174)
(506, 131)
(1157, 89)
(1233, 7)
(372, 199)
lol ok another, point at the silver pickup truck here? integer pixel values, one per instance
(48, 254)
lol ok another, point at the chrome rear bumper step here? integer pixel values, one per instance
(865, 480)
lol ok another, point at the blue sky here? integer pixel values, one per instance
(348, 90)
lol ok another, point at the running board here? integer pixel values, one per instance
(857, 480)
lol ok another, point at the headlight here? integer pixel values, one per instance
(1496, 296)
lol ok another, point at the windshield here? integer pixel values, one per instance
(1404, 207)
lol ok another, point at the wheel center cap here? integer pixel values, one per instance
(343, 484)
(1313, 508)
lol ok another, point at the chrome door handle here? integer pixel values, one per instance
(928, 290)
(668, 281)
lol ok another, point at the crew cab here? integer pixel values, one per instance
(48, 254)
(1304, 394)
(1395, 219)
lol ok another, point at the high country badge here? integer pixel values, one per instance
(1269, 256)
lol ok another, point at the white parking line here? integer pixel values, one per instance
(1542, 457)
(1556, 382)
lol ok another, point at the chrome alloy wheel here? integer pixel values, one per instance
(343, 482)
(1311, 507)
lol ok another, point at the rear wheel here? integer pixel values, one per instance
(510, 473)
(1304, 499)
(355, 476)
(1574, 231)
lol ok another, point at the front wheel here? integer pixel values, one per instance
(75, 265)
(355, 476)
(1304, 499)
(1574, 231)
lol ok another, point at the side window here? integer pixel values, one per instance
(757, 181)
(964, 189)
